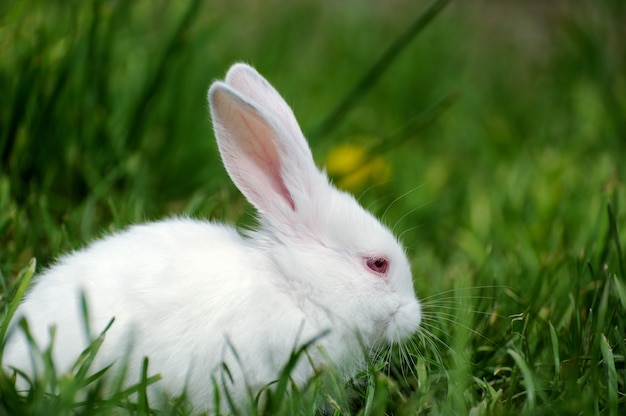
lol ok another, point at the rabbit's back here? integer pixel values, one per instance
(176, 288)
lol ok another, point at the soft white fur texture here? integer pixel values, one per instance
(181, 289)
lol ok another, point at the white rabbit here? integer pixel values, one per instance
(186, 293)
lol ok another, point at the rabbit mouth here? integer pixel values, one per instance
(403, 322)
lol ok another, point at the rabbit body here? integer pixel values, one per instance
(181, 289)
(192, 295)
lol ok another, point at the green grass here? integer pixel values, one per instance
(500, 126)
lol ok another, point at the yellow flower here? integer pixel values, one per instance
(353, 168)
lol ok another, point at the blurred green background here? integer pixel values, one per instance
(492, 142)
(104, 112)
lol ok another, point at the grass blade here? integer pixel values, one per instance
(554, 340)
(528, 378)
(378, 69)
(24, 279)
(611, 373)
(618, 246)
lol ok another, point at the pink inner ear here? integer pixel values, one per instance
(257, 144)
(250, 83)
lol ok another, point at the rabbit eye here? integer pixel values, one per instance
(377, 264)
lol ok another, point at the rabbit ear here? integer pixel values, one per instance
(247, 81)
(270, 165)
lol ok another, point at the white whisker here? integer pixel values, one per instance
(452, 308)
(409, 192)
(437, 295)
(369, 188)
(408, 230)
(409, 212)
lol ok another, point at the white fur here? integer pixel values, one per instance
(181, 289)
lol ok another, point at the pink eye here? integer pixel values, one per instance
(377, 264)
